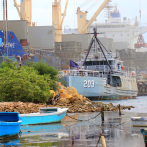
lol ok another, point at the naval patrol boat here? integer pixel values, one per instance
(102, 76)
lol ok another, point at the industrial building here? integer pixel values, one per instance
(56, 47)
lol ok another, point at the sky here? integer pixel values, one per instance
(42, 11)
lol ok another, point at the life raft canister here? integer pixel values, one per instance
(133, 73)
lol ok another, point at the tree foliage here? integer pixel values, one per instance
(9, 63)
(27, 84)
(43, 68)
(63, 82)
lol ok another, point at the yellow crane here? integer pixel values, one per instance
(24, 10)
(81, 16)
(58, 19)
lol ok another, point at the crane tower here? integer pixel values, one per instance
(24, 10)
(82, 24)
(58, 18)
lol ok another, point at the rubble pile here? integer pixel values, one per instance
(20, 107)
(142, 87)
(78, 103)
(91, 107)
(69, 98)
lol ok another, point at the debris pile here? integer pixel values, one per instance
(20, 107)
(92, 107)
(142, 87)
(68, 98)
(78, 103)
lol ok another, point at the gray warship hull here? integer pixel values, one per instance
(95, 88)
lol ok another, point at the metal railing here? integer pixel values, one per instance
(100, 55)
(100, 70)
(115, 68)
(84, 73)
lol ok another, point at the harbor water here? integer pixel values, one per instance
(117, 130)
(140, 103)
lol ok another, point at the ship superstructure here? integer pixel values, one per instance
(123, 32)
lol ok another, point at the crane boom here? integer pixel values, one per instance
(95, 15)
(59, 2)
(16, 5)
(64, 14)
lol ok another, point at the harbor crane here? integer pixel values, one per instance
(24, 10)
(81, 16)
(58, 19)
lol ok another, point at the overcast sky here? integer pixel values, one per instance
(42, 11)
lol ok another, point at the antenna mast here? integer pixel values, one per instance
(108, 9)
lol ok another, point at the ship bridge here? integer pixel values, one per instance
(124, 35)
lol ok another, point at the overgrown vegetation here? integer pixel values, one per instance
(43, 69)
(9, 64)
(63, 82)
(27, 83)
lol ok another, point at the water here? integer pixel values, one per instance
(140, 103)
(86, 133)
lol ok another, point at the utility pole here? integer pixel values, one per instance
(5, 26)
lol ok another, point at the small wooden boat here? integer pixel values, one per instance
(44, 116)
(9, 123)
(139, 121)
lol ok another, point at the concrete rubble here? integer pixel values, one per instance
(69, 98)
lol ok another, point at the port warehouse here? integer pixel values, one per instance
(40, 40)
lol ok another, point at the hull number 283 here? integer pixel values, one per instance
(88, 83)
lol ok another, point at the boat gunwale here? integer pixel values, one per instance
(6, 123)
(63, 110)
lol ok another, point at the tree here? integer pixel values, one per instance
(27, 84)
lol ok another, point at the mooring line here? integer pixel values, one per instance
(98, 140)
(123, 122)
(83, 120)
(71, 125)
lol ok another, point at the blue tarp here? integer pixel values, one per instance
(0, 41)
(14, 46)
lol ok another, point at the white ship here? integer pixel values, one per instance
(122, 32)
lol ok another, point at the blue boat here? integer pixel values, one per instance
(45, 116)
(144, 133)
(9, 123)
(139, 121)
